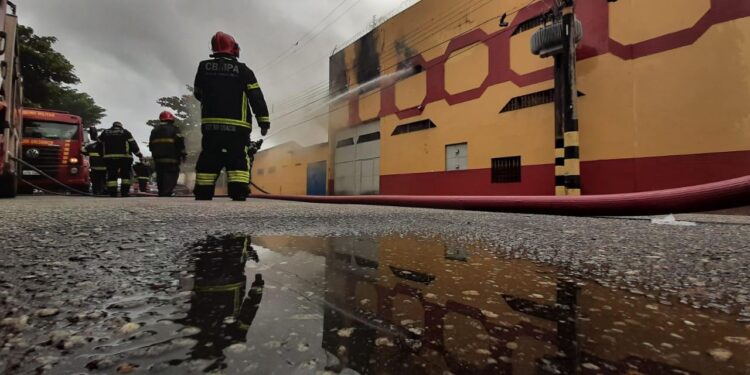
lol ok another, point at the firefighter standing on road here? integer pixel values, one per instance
(226, 88)
(116, 145)
(167, 147)
(143, 175)
(97, 169)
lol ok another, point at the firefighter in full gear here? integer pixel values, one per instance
(97, 169)
(117, 146)
(142, 175)
(228, 91)
(167, 147)
(221, 304)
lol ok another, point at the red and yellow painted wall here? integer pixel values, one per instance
(283, 168)
(465, 323)
(665, 90)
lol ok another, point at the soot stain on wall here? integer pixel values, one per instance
(367, 62)
(337, 77)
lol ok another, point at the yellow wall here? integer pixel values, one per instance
(651, 20)
(478, 123)
(688, 100)
(283, 168)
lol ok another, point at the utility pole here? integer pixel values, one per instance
(559, 39)
(559, 113)
(569, 100)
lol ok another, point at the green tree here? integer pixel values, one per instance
(48, 77)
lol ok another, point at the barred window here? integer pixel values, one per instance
(529, 24)
(345, 142)
(506, 170)
(532, 100)
(368, 137)
(414, 127)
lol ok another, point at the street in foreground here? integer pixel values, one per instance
(176, 286)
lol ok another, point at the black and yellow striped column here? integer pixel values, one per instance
(572, 164)
(560, 167)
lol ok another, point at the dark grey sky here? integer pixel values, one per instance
(128, 53)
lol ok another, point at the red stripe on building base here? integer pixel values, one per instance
(536, 180)
(597, 177)
(664, 172)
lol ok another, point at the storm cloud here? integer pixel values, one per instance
(129, 53)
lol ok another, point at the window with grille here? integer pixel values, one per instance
(532, 100)
(260, 172)
(345, 142)
(506, 170)
(272, 170)
(368, 137)
(529, 24)
(414, 127)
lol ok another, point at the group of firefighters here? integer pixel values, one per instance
(229, 94)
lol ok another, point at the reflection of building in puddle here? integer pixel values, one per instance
(220, 306)
(405, 305)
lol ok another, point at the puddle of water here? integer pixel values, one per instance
(402, 305)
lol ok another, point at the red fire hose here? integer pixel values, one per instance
(712, 196)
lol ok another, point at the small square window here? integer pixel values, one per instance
(260, 172)
(506, 170)
(456, 157)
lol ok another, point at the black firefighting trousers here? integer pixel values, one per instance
(98, 178)
(143, 184)
(166, 178)
(119, 168)
(224, 146)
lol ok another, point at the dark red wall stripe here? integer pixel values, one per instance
(598, 177)
(536, 180)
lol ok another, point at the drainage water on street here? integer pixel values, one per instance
(395, 305)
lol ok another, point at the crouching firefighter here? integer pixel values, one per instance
(143, 175)
(253, 149)
(167, 147)
(228, 91)
(97, 169)
(117, 145)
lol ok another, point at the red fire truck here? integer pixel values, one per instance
(52, 143)
(11, 100)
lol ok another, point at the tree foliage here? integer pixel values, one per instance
(48, 77)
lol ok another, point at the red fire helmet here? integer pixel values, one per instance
(225, 43)
(166, 116)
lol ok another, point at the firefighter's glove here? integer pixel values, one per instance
(264, 129)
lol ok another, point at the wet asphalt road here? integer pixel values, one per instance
(68, 261)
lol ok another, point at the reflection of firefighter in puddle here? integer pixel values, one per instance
(219, 305)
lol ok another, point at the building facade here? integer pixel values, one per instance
(290, 169)
(443, 100)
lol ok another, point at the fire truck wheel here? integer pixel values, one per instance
(83, 188)
(8, 186)
(25, 189)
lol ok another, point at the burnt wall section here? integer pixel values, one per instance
(337, 78)
(367, 61)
